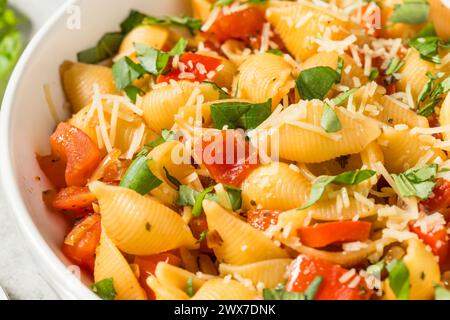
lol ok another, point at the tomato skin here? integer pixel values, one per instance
(85, 237)
(198, 226)
(192, 59)
(323, 234)
(439, 201)
(305, 269)
(147, 266)
(438, 241)
(223, 168)
(77, 200)
(262, 219)
(81, 154)
(54, 169)
(239, 25)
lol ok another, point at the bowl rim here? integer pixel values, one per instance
(66, 285)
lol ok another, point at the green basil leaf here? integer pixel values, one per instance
(235, 196)
(440, 293)
(279, 293)
(441, 88)
(125, 71)
(190, 287)
(339, 68)
(133, 20)
(240, 114)
(428, 109)
(428, 48)
(426, 90)
(179, 48)
(152, 60)
(197, 208)
(222, 94)
(410, 12)
(422, 173)
(394, 65)
(345, 178)
(311, 292)
(399, 280)
(166, 135)
(105, 289)
(376, 269)
(172, 179)
(188, 196)
(139, 177)
(343, 97)
(427, 31)
(132, 92)
(330, 121)
(374, 74)
(417, 182)
(106, 48)
(314, 83)
(276, 52)
(202, 236)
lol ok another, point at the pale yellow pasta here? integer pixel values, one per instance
(335, 166)
(201, 9)
(161, 104)
(269, 272)
(152, 36)
(78, 81)
(220, 289)
(164, 291)
(403, 150)
(263, 76)
(299, 24)
(330, 59)
(235, 51)
(275, 186)
(169, 275)
(423, 272)
(303, 140)
(327, 210)
(444, 116)
(110, 263)
(138, 224)
(440, 15)
(241, 243)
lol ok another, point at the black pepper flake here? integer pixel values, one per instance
(148, 226)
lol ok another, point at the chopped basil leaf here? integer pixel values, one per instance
(417, 181)
(441, 88)
(339, 68)
(340, 99)
(235, 196)
(240, 114)
(279, 293)
(187, 196)
(428, 48)
(133, 20)
(314, 83)
(139, 177)
(190, 287)
(125, 71)
(428, 109)
(166, 135)
(202, 236)
(399, 279)
(172, 179)
(410, 12)
(311, 292)
(427, 31)
(222, 94)
(346, 178)
(426, 90)
(374, 74)
(276, 52)
(106, 48)
(197, 208)
(394, 65)
(440, 293)
(330, 121)
(132, 92)
(376, 269)
(179, 48)
(105, 289)
(152, 60)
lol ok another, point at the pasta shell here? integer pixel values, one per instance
(220, 289)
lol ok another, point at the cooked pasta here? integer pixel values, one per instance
(276, 150)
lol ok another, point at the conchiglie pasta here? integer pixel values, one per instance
(220, 289)
(164, 291)
(235, 51)
(269, 272)
(241, 243)
(263, 76)
(152, 36)
(224, 77)
(275, 186)
(161, 105)
(298, 24)
(440, 15)
(201, 9)
(303, 140)
(78, 81)
(110, 263)
(138, 224)
(403, 150)
(169, 275)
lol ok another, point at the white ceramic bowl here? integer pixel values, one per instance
(26, 124)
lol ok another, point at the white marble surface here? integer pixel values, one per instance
(19, 275)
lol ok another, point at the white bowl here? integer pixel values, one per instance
(26, 125)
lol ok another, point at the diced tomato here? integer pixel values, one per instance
(76, 200)
(391, 88)
(80, 244)
(240, 25)
(228, 157)
(439, 200)
(198, 226)
(190, 61)
(81, 154)
(438, 241)
(305, 269)
(433, 120)
(323, 234)
(147, 266)
(262, 219)
(54, 169)
(370, 16)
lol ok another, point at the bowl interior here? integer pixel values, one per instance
(27, 121)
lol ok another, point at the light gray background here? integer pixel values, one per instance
(19, 275)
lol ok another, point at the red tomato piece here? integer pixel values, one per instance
(80, 244)
(323, 234)
(228, 157)
(77, 200)
(147, 266)
(81, 154)
(437, 240)
(198, 226)
(305, 269)
(240, 25)
(202, 67)
(439, 200)
(262, 219)
(370, 15)
(54, 169)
